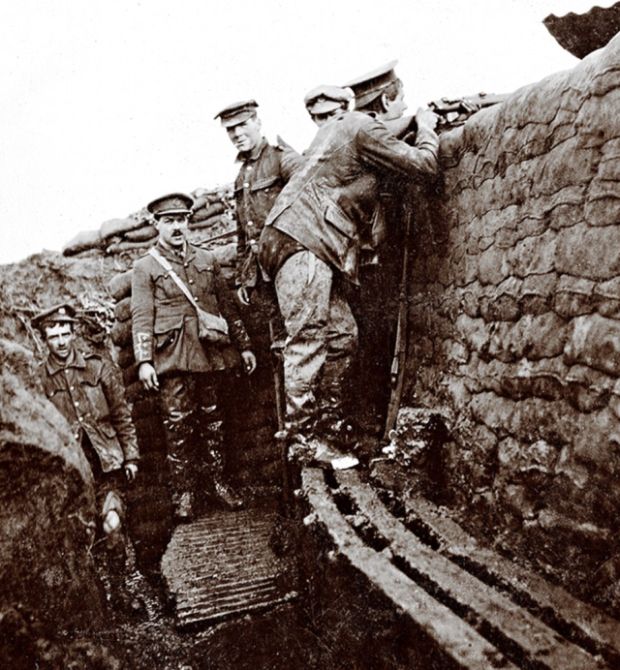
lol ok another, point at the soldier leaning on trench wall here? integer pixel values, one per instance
(311, 244)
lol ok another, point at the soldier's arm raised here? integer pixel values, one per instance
(380, 148)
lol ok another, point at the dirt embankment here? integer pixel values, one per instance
(48, 586)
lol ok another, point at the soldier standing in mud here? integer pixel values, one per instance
(183, 322)
(88, 391)
(311, 244)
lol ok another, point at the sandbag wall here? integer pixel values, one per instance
(515, 313)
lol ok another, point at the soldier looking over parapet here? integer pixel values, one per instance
(311, 245)
(88, 391)
(186, 334)
(380, 94)
(323, 102)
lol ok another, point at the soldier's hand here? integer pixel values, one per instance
(148, 377)
(131, 470)
(426, 118)
(243, 295)
(249, 361)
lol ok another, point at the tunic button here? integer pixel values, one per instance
(250, 223)
(185, 265)
(195, 297)
(80, 419)
(246, 185)
(72, 388)
(191, 281)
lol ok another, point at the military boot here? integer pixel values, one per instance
(183, 504)
(212, 443)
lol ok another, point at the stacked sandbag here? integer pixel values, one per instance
(213, 215)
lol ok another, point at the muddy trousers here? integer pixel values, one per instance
(193, 427)
(321, 339)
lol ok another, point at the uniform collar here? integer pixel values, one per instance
(187, 254)
(74, 360)
(246, 156)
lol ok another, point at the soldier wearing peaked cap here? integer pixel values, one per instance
(264, 170)
(379, 91)
(186, 334)
(380, 94)
(310, 246)
(324, 102)
(87, 390)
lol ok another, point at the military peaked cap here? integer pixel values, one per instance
(372, 84)
(174, 203)
(237, 112)
(62, 313)
(324, 99)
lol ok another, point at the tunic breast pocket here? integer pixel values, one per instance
(204, 277)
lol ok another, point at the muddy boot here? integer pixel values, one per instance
(183, 506)
(212, 444)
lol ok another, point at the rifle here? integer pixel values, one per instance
(397, 370)
(454, 112)
(278, 384)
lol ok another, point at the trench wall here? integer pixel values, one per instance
(515, 310)
(47, 573)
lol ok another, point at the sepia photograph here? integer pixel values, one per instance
(310, 335)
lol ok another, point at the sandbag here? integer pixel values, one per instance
(225, 254)
(120, 285)
(117, 247)
(147, 232)
(119, 226)
(215, 223)
(87, 239)
(121, 333)
(125, 356)
(207, 212)
(122, 309)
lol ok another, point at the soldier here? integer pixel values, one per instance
(380, 94)
(264, 171)
(311, 244)
(87, 390)
(183, 347)
(323, 102)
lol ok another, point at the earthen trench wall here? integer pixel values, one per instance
(515, 304)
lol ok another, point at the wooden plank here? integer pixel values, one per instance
(455, 637)
(520, 634)
(526, 586)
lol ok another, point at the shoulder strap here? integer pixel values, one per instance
(173, 275)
